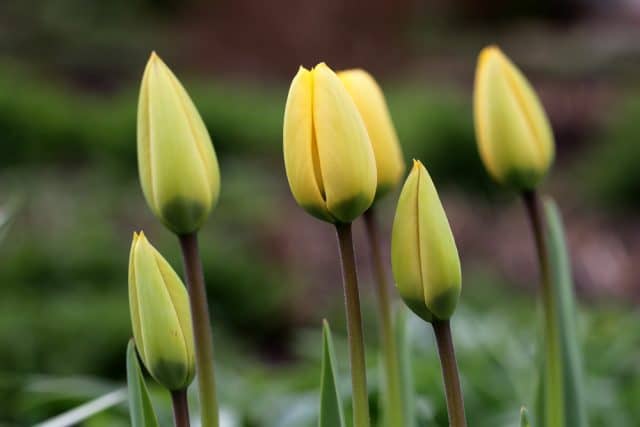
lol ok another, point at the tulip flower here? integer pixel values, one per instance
(514, 136)
(176, 160)
(369, 99)
(160, 316)
(425, 261)
(328, 158)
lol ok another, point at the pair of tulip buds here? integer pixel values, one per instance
(341, 153)
(340, 147)
(180, 180)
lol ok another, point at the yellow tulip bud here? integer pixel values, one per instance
(514, 136)
(370, 101)
(425, 261)
(160, 316)
(177, 163)
(327, 154)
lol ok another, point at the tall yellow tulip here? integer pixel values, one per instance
(328, 158)
(514, 137)
(369, 99)
(424, 257)
(176, 161)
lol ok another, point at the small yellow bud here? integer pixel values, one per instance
(176, 161)
(160, 316)
(514, 137)
(424, 257)
(327, 154)
(369, 99)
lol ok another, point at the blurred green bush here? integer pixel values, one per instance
(45, 124)
(608, 171)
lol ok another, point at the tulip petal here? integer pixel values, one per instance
(202, 139)
(179, 299)
(372, 106)
(439, 260)
(303, 172)
(144, 141)
(346, 157)
(133, 298)
(405, 248)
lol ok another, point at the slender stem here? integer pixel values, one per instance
(201, 330)
(554, 395)
(453, 391)
(394, 406)
(180, 408)
(354, 327)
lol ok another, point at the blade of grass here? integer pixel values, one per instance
(331, 413)
(524, 417)
(78, 414)
(140, 407)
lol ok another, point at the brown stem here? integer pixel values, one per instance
(395, 415)
(453, 391)
(201, 330)
(354, 327)
(554, 383)
(180, 408)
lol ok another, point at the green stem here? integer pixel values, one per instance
(354, 327)
(201, 330)
(393, 397)
(553, 381)
(180, 408)
(453, 391)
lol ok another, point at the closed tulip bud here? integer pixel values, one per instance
(327, 154)
(160, 316)
(425, 262)
(514, 137)
(177, 163)
(370, 101)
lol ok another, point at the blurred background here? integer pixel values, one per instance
(70, 198)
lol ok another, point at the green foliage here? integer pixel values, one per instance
(140, 407)
(608, 171)
(73, 128)
(562, 283)
(331, 412)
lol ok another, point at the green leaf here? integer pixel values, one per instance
(563, 293)
(524, 417)
(140, 408)
(404, 360)
(331, 413)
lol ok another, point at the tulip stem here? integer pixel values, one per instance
(393, 398)
(201, 330)
(553, 378)
(180, 408)
(354, 327)
(453, 391)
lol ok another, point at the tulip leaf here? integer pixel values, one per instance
(140, 407)
(404, 360)
(563, 293)
(331, 413)
(524, 417)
